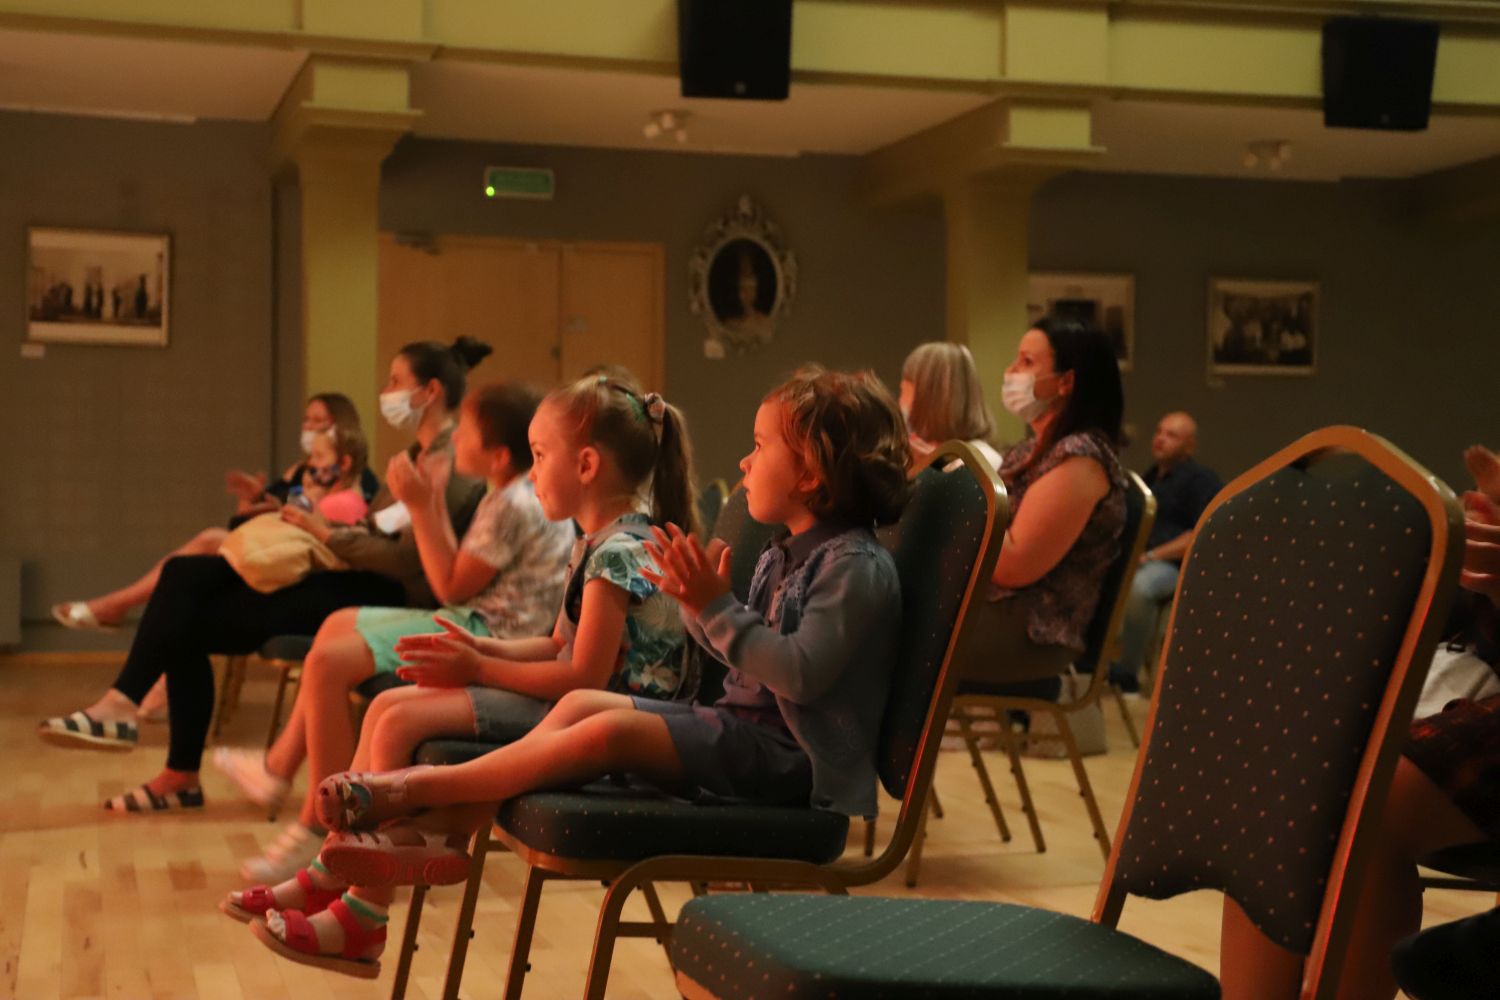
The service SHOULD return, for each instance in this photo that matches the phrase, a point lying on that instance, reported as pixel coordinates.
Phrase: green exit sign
(519, 182)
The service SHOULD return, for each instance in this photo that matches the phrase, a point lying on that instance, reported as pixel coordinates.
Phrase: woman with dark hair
(202, 606)
(1067, 502)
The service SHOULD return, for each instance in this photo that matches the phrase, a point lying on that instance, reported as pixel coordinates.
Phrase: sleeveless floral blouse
(1059, 605)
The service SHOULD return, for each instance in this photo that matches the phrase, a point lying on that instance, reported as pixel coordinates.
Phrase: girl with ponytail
(616, 462)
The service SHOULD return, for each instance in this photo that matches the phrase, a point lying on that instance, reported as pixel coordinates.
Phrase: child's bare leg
(289, 750)
(410, 718)
(114, 605)
(337, 663)
(609, 740)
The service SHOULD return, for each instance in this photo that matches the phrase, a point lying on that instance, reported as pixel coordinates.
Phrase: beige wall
(1409, 348)
(113, 455)
(871, 282)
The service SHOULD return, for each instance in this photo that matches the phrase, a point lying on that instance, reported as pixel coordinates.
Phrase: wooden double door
(550, 310)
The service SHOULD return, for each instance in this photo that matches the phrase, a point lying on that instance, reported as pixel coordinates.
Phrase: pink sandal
(399, 854)
(257, 900)
(364, 799)
(362, 946)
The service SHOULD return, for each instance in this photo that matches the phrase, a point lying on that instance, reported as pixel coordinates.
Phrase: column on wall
(985, 165)
(988, 228)
(337, 123)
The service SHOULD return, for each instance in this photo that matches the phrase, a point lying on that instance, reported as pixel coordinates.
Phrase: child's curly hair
(848, 429)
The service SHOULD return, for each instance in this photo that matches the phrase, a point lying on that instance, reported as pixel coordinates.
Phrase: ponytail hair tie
(656, 407)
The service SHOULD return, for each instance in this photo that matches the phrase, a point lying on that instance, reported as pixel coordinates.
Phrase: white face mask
(1018, 394)
(397, 409)
(308, 437)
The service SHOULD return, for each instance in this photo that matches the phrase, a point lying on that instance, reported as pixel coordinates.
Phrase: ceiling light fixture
(666, 122)
(1273, 154)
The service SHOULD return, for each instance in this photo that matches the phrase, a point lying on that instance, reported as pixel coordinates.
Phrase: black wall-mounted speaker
(1377, 73)
(735, 48)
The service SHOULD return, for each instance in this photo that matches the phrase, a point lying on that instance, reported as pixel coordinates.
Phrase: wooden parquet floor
(93, 905)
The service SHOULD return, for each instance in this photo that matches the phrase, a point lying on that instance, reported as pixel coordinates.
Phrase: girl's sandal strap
(301, 945)
(357, 937)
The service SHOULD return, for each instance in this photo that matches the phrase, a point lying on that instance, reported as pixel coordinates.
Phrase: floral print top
(1060, 604)
(650, 661)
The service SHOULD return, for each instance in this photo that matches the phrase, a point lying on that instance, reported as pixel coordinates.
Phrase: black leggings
(201, 606)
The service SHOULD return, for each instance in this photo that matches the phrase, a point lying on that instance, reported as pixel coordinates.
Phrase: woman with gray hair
(942, 399)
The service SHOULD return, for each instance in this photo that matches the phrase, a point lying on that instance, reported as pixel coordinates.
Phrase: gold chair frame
(1387, 734)
(969, 709)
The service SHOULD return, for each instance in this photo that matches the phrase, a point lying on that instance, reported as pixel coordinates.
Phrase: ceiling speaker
(1377, 73)
(735, 48)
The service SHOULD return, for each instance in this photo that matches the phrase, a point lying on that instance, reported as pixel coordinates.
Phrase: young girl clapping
(811, 658)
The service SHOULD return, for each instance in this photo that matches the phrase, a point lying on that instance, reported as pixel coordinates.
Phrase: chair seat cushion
(798, 946)
(286, 647)
(609, 822)
(1480, 861)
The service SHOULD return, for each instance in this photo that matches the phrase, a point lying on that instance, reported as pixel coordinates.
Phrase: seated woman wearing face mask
(326, 413)
(1067, 507)
(202, 606)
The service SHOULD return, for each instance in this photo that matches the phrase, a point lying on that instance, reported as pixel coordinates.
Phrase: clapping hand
(1481, 570)
(694, 575)
(243, 485)
(417, 483)
(446, 659)
(1484, 466)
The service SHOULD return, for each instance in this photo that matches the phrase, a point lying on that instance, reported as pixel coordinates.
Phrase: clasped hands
(446, 659)
(693, 574)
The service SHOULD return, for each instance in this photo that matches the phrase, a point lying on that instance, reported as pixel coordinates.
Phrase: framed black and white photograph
(1262, 327)
(97, 287)
(742, 280)
(1106, 300)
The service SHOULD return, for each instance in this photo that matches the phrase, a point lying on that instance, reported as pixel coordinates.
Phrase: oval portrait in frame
(743, 278)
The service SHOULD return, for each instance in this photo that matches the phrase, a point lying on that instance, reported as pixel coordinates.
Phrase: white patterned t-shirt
(530, 557)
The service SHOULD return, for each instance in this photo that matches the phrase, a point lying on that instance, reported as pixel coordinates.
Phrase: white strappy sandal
(77, 616)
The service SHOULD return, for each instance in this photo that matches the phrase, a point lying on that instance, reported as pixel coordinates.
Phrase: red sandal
(256, 900)
(301, 943)
(397, 854)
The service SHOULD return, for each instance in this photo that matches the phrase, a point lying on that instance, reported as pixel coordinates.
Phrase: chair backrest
(1306, 615)
(746, 537)
(1101, 637)
(945, 545)
(710, 501)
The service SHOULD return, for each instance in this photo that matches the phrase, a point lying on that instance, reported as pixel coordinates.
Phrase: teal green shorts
(380, 628)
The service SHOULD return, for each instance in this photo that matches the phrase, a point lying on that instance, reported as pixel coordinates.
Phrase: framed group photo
(1262, 327)
(97, 287)
(1106, 300)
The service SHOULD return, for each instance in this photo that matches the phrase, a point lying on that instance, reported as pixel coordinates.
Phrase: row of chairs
(1338, 531)
(1306, 614)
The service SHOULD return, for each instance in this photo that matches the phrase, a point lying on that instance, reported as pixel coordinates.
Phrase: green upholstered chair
(1306, 615)
(976, 703)
(944, 546)
(710, 501)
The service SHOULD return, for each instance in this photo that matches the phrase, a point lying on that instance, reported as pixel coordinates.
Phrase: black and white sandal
(143, 799)
(79, 730)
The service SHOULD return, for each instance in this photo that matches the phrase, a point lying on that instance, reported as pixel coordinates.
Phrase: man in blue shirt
(1183, 489)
